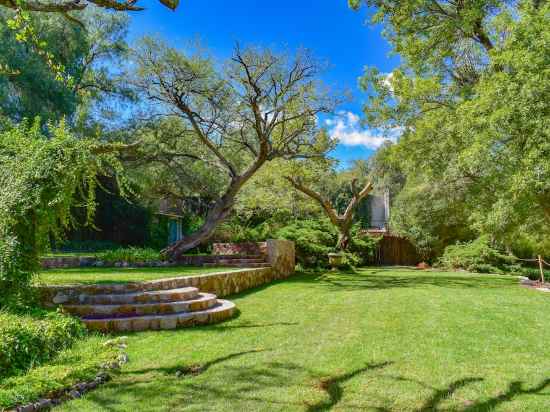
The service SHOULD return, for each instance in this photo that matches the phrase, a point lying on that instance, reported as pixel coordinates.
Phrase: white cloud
(346, 128)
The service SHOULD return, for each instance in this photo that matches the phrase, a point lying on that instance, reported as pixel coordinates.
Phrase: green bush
(534, 273)
(131, 255)
(361, 247)
(476, 256)
(26, 341)
(313, 240)
(80, 363)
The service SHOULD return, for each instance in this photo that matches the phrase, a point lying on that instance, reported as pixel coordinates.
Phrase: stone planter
(336, 260)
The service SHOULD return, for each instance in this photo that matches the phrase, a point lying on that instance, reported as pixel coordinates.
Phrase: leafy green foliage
(29, 87)
(476, 256)
(51, 68)
(533, 273)
(130, 255)
(313, 240)
(470, 99)
(27, 341)
(41, 176)
(362, 247)
(70, 366)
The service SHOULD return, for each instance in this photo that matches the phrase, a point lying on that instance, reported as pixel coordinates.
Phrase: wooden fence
(394, 250)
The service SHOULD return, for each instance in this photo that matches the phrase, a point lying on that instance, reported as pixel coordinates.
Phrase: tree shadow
(433, 403)
(265, 385)
(259, 383)
(440, 395)
(514, 389)
(333, 386)
(195, 369)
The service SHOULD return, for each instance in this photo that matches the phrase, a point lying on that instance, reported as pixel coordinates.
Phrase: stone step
(155, 296)
(223, 310)
(201, 302)
(240, 265)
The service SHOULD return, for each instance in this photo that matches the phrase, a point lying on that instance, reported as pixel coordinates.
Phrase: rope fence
(541, 263)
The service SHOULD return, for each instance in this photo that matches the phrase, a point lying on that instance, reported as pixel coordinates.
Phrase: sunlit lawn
(119, 275)
(378, 340)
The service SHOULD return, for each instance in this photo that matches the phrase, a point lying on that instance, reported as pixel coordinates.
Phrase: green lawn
(119, 275)
(378, 340)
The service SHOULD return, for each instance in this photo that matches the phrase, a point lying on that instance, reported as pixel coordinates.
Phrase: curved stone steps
(154, 296)
(202, 301)
(223, 310)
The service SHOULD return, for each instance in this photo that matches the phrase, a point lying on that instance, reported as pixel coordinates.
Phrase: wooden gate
(393, 250)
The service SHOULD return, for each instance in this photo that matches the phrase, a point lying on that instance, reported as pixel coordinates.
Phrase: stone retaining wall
(280, 256)
(67, 262)
(91, 261)
(199, 260)
(221, 284)
(220, 251)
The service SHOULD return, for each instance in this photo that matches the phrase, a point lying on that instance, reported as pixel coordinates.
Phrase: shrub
(79, 363)
(534, 273)
(42, 178)
(475, 256)
(130, 255)
(313, 240)
(26, 341)
(361, 247)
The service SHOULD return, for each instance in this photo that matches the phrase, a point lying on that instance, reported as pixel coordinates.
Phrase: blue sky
(328, 28)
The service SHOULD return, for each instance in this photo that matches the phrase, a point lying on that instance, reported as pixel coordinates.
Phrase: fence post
(541, 269)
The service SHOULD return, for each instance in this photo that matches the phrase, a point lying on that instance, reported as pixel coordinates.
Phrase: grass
(90, 275)
(377, 340)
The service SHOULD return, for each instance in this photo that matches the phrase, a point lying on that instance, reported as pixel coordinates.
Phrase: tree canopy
(258, 107)
(63, 7)
(470, 98)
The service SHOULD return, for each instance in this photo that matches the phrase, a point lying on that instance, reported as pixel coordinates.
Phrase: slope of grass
(377, 340)
(119, 275)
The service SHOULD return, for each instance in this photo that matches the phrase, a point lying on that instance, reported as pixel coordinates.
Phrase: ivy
(43, 178)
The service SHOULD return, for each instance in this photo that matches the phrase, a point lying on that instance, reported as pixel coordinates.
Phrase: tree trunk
(344, 229)
(343, 241)
(216, 215)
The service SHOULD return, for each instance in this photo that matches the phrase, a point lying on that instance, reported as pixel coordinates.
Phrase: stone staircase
(240, 261)
(117, 308)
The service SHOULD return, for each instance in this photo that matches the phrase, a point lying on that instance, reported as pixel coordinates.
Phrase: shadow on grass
(273, 385)
(228, 384)
(514, 390)
(196, 369)
(333, 386)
